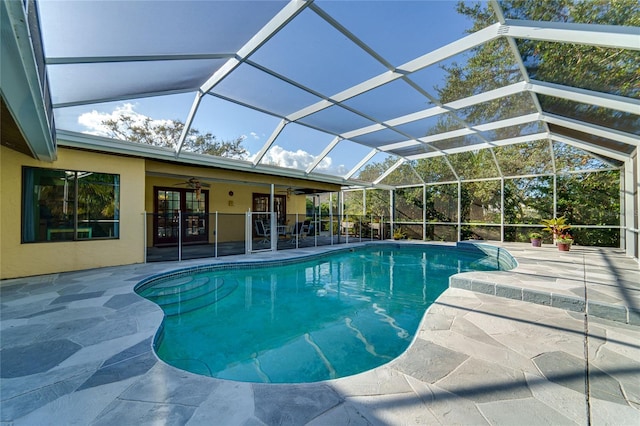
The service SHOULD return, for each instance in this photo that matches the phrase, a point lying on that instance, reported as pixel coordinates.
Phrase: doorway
(261, 204)
(194, 206)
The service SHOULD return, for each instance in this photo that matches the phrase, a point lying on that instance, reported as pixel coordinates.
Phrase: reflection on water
(330, 317)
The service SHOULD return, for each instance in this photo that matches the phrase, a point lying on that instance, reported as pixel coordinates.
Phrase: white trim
(20, 85)
(511, 141)
(614, 36)
(114, 146)
(323, 154)
(293, 8)
(593, 129)
(362, 162)
(276, 132)
(589, 147)
(604, 100)
(390, 170)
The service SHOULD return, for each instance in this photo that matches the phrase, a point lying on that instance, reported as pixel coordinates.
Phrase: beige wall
(18, 260)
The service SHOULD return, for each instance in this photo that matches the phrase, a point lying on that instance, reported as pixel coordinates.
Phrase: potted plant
(536, 239)
(399, 235)
(557, 226)
(564, 242)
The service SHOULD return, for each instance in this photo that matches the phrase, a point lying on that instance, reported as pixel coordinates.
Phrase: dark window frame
(50, 227)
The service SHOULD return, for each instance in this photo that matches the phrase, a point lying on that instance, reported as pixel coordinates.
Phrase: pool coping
(497, 286)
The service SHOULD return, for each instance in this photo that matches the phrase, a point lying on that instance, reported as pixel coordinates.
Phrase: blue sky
(296, 52)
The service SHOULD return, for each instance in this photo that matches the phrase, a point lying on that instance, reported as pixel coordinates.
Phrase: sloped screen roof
(335, 88)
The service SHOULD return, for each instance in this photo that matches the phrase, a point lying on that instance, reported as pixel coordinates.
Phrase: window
(66, 205)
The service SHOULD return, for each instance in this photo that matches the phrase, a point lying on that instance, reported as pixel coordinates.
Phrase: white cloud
(92, 121)
(300, 160)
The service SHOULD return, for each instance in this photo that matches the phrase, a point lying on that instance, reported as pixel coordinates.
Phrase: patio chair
(263, 231)
(300, 230)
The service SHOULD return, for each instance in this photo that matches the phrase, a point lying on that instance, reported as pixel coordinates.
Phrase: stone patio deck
(499, 348)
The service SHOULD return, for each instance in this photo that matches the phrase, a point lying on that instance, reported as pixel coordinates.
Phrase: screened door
(261, 204)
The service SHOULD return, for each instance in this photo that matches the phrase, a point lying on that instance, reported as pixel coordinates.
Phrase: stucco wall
(18, 260)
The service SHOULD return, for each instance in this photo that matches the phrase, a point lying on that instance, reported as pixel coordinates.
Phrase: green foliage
(434, 169)
(524, 158)
(528, 200)
(556, 225)
(565, 239)
(608, 70)
(398, 234)
(590, 198)
(167, 134)
(603, 69)
(409, 204)
(372, 171)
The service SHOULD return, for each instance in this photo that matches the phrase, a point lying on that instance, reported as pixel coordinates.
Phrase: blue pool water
(305, 321)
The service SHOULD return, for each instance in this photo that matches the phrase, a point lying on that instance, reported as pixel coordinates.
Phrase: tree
(493, 65)
(166, 133)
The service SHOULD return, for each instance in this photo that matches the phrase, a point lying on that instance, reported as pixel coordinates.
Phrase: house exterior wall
(19, 260)
(138, 176)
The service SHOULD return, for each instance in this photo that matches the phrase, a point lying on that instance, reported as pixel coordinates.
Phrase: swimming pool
(308, 320)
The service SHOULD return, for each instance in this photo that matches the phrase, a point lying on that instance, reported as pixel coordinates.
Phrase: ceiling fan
(195, 184)
(293, 191)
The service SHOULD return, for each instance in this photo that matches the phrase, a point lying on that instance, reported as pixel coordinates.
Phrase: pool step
(166, 292)
(186, 295)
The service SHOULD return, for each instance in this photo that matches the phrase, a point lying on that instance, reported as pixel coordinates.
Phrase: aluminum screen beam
(190, 117)
(417, 64)
(323, 154)
(279, 128)
(523, 119)
(135, 58)
(449, 107)
(585, 96)
(589, 147)
(592, 129)
(503, 142)
(618, 37)
(362, 162)
(389, 171)
(290, 11)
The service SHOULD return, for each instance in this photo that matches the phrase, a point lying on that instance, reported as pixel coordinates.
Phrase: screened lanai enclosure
(441, 120)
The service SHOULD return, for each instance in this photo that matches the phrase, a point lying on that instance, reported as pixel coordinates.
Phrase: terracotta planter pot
(536, 242)
(563, 247)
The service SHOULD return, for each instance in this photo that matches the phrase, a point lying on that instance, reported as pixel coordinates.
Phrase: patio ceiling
(359, 76)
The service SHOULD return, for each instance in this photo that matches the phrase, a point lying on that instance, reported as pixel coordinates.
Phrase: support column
(424, 212)
(273, 222)
(459, 210)
(502, 209)
(630, 206)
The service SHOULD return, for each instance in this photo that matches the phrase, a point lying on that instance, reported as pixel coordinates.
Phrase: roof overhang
(132, 149)
(22, 84)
